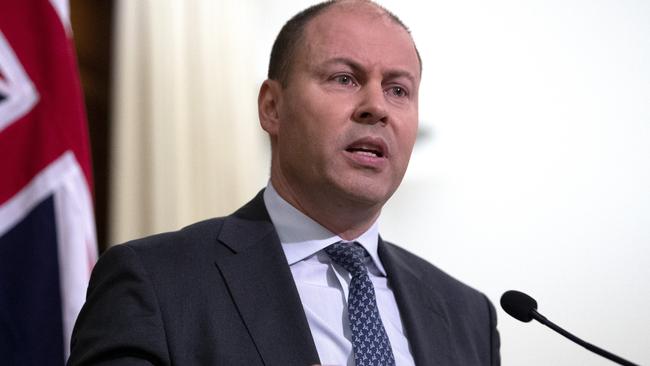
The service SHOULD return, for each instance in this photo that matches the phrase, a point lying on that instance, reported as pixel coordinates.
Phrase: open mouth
(366, 151)
(370, 147)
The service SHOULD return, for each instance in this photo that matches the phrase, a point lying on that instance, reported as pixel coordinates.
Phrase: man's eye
(398, 91)
(344, 79)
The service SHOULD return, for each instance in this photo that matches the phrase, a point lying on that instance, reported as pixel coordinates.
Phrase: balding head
(291, 36)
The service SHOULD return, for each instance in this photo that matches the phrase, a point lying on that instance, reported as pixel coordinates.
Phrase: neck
(343, 217)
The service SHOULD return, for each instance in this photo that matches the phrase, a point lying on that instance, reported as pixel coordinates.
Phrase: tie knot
(350, 256)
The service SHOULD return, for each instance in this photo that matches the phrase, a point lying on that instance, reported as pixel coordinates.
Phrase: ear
(268, 106)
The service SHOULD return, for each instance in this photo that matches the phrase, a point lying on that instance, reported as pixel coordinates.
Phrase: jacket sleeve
(120, 323)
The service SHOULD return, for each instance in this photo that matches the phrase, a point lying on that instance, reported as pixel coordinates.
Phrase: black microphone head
(519, 305)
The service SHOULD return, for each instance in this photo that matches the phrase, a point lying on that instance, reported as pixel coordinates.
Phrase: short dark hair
(285, 45)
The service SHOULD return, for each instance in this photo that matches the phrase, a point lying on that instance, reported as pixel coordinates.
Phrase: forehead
(362, 32)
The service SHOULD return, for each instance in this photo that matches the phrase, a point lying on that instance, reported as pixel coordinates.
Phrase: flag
(47, 229)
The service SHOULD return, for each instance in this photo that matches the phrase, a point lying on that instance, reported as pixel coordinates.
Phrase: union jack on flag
(47, 229)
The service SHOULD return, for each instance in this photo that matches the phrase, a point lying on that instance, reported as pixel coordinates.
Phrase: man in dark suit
(299, 275)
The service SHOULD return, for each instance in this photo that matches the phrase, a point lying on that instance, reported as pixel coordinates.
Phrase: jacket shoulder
(424, 269)
(454, 291)
(170, 252)
(203, 230)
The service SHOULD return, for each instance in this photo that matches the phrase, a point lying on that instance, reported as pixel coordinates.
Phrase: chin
(366, 194)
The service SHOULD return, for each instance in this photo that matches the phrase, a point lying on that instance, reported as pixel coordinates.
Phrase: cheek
(315, 130)
(406, 140)
(408, 134)
(303, 140)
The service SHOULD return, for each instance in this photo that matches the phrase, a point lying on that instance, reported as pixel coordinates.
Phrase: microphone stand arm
(610, 356)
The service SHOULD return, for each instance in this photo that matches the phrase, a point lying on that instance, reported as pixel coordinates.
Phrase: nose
(372, 107)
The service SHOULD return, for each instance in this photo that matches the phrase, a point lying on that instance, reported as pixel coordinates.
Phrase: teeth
(366, 153)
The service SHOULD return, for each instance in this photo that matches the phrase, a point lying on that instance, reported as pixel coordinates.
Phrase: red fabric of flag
(47, 233)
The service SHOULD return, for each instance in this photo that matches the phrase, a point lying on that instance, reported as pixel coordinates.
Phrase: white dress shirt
(323, 285)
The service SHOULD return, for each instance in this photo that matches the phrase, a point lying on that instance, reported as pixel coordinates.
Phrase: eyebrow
(391, 74)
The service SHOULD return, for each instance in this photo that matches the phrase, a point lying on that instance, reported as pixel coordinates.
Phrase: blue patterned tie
(370, 342)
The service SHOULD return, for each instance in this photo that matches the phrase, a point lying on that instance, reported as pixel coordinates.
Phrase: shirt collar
(301, 237)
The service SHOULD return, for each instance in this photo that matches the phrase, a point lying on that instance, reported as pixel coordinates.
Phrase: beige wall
(187, 145)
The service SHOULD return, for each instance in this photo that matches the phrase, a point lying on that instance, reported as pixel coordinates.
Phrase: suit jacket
(220, 292)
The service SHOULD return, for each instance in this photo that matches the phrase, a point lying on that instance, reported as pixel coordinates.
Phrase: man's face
(348, 116)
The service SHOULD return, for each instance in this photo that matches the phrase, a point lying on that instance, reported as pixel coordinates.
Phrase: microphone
(524, 308)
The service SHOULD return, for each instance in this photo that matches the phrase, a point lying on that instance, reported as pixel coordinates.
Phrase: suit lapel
(421, 310)
(262, 287)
